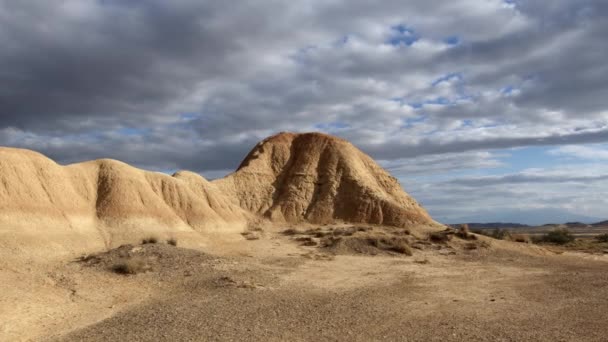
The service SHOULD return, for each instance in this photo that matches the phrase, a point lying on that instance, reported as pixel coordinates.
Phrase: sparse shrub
(523, 238)
(172, 241)
(499, 234)
(401, 247)
(251, 235)
(557, 236)
(149, 240)
(252, 227)
(367, 244)
(338, 231)
(320, 234)
(130, 266)
(440, 236)
(476, 245)
(398, 245)
(471, 245)
(306, 241)
(602, 237)
(291, 231)
(343, 231)
(463, 233)
(330, 241)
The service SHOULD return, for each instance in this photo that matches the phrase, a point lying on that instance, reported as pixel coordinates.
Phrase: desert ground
(273, 287)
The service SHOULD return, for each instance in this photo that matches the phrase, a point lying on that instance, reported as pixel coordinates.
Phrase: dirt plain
(271, 288)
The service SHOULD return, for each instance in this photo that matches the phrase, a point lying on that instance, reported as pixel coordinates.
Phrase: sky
(485, 110)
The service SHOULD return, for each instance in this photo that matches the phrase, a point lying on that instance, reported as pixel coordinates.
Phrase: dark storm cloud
(77, 74)
(113, 66)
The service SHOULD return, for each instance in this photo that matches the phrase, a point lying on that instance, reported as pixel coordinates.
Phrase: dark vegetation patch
(131, 265)
(149, 240)
(357, 239)
(367, 244)
(464, 233)
(556, 236)
(157, 258)
(476, 245)
(441, 237)
(602, 238)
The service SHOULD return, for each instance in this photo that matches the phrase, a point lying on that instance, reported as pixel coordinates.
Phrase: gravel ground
(470, 296)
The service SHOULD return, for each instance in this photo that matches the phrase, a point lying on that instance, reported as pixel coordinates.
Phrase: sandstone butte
(47, 208)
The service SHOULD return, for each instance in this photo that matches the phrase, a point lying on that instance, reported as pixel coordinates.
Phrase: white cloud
(585, 152)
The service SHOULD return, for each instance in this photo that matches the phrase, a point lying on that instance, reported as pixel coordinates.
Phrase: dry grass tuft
(441, 237)
(131, 266)
(291, 231)
(368, 244)
(523, 238)
(251, 235)
(557, 236)
(476, 245)
(306, 241)
(149, 240)
(464, 233)
(602, 238)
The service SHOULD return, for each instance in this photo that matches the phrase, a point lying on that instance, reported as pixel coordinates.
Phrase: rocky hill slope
(319, 178)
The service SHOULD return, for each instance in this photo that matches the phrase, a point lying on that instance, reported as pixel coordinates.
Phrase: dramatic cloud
(444, 88)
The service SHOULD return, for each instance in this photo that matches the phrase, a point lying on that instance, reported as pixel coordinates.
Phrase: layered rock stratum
(317, 178)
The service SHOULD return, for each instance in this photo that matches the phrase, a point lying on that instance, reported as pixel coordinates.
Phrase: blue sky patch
(402, 35)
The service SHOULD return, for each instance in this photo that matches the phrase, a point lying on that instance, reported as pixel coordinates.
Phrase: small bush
(440, 237)
(306, 241)
(291, 231)
(149, 240)
(523, 238)
(557, 236)
(251, 235)
(172, 241)
(476, 245)
(401, 247)
(130, 266)
(602, 238)
(498, 234)
(463, 233)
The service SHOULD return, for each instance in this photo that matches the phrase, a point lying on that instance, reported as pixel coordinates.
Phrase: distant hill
(507, 225)
(531, 217)
(495, 225)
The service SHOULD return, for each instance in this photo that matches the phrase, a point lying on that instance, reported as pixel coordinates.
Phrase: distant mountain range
(530, 217)
(496, 225)
(507, 225)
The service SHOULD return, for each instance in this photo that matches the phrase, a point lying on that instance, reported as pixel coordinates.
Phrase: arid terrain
(273, 288)
(309, 240)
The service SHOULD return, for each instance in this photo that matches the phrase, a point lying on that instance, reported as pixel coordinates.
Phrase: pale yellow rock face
(54, 209)
(47, 209)
(318, 178)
